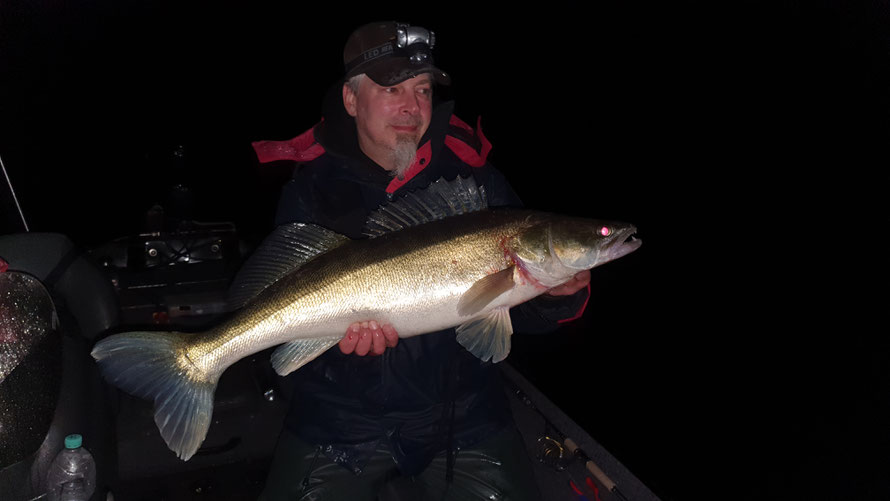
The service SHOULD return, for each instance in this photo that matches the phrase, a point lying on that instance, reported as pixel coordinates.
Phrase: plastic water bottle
(72, 474)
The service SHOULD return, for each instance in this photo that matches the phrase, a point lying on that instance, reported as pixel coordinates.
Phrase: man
(424, 419)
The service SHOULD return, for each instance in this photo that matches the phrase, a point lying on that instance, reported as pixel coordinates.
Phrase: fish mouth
(624, 243)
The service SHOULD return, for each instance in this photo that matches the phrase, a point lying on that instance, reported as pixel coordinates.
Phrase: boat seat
(56, 389)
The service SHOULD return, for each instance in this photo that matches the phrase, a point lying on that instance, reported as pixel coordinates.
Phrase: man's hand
(578, 282)
(368, 337)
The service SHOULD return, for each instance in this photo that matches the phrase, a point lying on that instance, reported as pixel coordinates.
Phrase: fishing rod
(571, 446)
(14, 197)
(593, 468)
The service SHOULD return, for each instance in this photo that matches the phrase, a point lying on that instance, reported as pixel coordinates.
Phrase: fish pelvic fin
(488, 337)
(484, 291)
(295, 354)
(154, 366)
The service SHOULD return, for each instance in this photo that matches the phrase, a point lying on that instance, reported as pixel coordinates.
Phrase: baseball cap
(390, 53)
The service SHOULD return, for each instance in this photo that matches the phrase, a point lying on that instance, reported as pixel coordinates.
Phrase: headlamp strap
(369, 55)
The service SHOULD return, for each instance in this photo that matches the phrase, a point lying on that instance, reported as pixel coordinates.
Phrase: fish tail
(154, 366)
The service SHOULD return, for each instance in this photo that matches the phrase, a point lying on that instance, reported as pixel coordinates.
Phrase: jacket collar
(336, 136)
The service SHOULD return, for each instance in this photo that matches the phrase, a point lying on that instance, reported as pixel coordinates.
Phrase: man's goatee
(403, 155)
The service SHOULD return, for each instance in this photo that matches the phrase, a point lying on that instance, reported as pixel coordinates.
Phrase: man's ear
(349, 98)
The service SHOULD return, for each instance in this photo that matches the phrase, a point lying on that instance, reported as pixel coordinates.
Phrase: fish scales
(389, 279)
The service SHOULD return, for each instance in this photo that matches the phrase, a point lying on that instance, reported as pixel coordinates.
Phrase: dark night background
(738, 348)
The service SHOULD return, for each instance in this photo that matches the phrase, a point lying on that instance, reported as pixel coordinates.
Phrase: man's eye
(425, 91)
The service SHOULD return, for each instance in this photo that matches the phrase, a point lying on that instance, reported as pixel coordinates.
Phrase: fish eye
(605, 231)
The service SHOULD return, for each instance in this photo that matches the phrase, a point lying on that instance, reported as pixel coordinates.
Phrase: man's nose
(410, 104)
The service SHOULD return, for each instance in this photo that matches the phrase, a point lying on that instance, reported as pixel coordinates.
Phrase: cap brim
(397, 70)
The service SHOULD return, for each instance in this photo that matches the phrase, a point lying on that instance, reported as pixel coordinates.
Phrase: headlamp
(391, 52)
(408, 37)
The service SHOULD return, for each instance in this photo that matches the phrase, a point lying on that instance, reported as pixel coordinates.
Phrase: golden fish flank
(462, 271)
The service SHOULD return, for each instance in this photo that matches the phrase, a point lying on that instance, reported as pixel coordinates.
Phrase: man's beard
(403, 155)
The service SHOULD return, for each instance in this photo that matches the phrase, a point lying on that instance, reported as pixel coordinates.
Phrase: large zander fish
(438, 258)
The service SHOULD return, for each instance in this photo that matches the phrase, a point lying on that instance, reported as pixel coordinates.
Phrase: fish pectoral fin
(295, 354)
(488, 337)
(484, 291)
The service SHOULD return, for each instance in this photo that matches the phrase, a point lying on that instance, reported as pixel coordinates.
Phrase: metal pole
(14, 197)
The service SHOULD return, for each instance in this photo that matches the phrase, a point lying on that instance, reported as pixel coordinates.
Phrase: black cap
(390, 53)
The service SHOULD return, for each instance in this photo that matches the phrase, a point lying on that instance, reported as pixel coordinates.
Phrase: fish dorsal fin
(488, 337)
(288, 247)
(439, 200)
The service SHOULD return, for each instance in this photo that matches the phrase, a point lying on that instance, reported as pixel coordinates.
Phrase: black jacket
(428, 391)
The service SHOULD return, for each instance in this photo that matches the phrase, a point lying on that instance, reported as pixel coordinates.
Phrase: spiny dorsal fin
(439, 200)
(288, 247)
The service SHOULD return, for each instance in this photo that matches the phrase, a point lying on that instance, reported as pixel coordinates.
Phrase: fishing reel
(552, 453)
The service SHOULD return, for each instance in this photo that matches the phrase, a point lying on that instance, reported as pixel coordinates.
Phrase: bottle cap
(73, 441)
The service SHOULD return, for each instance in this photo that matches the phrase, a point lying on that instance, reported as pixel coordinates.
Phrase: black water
(734, 349)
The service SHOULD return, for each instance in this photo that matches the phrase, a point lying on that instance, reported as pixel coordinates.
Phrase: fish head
(554, 249)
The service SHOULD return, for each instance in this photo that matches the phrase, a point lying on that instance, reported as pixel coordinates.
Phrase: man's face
(386, 116)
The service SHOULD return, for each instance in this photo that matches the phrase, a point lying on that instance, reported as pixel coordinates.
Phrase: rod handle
(591, 466)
